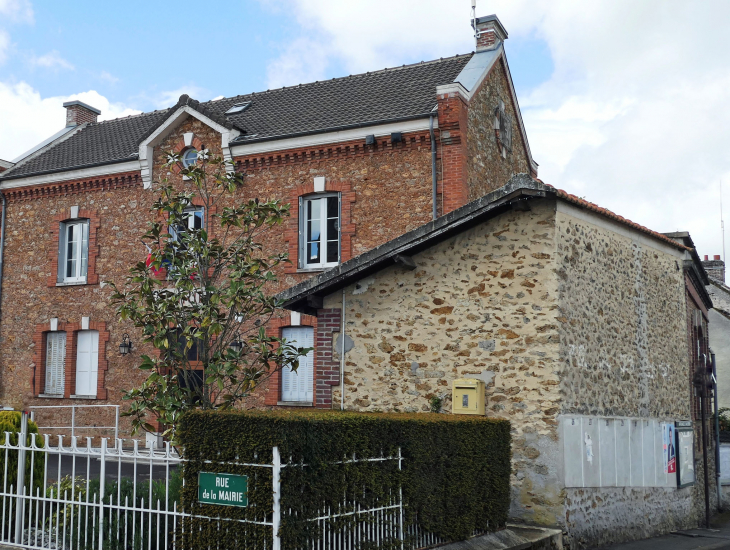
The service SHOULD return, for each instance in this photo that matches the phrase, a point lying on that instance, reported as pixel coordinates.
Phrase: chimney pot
(490, 33)
(78, 112)
(717, 257)
(706, 257)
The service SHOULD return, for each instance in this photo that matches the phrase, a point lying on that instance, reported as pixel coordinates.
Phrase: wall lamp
(126, 346)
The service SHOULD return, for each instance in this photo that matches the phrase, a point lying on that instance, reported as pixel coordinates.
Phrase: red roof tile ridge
(612, 215)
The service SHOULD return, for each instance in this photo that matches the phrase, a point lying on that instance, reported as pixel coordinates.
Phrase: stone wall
(487, 170)
(484, 305)
(623, 352)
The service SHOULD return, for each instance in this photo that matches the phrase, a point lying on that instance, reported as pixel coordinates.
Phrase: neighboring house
(5, 165)
(573, 317)
(720, 327)
(78, 203)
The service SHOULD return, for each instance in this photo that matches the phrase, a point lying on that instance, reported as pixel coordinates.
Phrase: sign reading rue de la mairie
(222, 489)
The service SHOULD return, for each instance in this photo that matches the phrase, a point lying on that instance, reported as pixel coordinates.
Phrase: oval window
(190, 157)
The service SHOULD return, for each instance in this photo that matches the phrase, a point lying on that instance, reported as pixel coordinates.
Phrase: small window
(193, 219)
(503, 125)
(238, 108)
(73, 256)
(190, 157)
(319, 231)
(55, 363)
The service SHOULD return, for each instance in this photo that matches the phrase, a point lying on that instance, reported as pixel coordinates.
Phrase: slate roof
(389, 95)
(520, 187)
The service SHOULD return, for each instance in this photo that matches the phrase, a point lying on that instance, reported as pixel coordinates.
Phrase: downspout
(717, 433)
(434, 112)
(342, 355)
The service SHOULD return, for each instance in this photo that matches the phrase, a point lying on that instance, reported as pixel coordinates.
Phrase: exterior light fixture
(237, 344)
(126, 346)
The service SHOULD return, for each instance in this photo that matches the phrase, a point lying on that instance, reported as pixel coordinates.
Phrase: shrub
(10, 424)
(455, 476)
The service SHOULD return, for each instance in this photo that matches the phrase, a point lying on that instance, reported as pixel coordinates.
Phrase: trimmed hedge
(455, 477)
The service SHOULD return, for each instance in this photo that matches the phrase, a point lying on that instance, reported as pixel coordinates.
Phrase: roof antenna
(474, 23)
(722, 225)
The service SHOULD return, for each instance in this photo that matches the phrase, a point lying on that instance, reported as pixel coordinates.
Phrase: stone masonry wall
(623, 352)
(486, 169)
(482, 304)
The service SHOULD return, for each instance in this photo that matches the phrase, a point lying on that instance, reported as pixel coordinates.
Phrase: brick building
(574, 318)
(383, 152)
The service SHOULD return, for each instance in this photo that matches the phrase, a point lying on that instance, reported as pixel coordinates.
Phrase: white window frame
(298, 387)
(191, 219)
(304, 264)
(186, 162)
(55, 364)
(80, 250)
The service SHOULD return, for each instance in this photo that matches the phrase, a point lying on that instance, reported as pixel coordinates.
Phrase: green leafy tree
(201, 297)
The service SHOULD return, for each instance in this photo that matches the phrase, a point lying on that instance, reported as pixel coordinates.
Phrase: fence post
(102, 479)
(20, 483)
(73, 419)
(116, 423)
(400, 502)
(276, 482)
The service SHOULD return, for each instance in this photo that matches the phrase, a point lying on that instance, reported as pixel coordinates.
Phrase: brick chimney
(715, 268)
(78, 112)
(490, 33)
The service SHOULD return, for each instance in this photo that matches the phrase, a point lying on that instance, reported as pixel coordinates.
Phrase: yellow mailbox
(468, 396)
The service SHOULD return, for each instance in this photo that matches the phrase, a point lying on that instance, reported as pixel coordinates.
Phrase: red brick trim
(274, 329)
(92, 277)
(38, 380)
(327, 369)
(347, 232)
(412, 141)
(73, 187)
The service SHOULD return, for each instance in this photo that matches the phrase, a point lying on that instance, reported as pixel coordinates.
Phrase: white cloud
(51, 60)
(108, 77)
(28, 119)
(168, 98)
(4, 45)
(19, 11)
(634, 116)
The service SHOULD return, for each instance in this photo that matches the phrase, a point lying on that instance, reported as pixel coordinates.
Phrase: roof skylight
(238, 108)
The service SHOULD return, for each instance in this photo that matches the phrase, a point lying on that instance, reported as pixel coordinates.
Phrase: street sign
(222, 489)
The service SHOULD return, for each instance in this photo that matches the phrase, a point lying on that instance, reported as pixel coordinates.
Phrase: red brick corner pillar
(452, 117)
(327, 368)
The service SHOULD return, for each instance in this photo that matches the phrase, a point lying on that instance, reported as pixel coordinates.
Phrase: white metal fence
(74, 427)
(75, 496)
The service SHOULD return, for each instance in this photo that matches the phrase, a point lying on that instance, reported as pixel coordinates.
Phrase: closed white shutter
(298, 386)
(55, 362)
(87, 362)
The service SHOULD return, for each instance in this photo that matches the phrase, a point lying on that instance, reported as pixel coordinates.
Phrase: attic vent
(238, 108)
(503, 126)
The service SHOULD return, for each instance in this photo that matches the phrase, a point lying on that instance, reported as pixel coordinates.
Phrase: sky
(625, 103)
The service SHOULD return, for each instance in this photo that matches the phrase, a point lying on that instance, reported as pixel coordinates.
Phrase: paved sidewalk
(717, 537)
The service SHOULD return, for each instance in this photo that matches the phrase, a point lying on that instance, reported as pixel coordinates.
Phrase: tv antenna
(474, 22)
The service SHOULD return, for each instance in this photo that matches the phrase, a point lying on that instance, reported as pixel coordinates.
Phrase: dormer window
(190, 157)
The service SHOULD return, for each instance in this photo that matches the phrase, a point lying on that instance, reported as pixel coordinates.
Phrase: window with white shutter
(87, 362)
(298, 385)
(55, 363)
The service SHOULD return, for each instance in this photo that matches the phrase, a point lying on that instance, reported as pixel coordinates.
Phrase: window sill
(50, 396)
(74, 283)
(295, 404)
(83, 397)
(316, 269)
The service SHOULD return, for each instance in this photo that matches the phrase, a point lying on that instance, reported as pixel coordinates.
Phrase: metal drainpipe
(717, 433)
(434, 112)
(342, 355)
